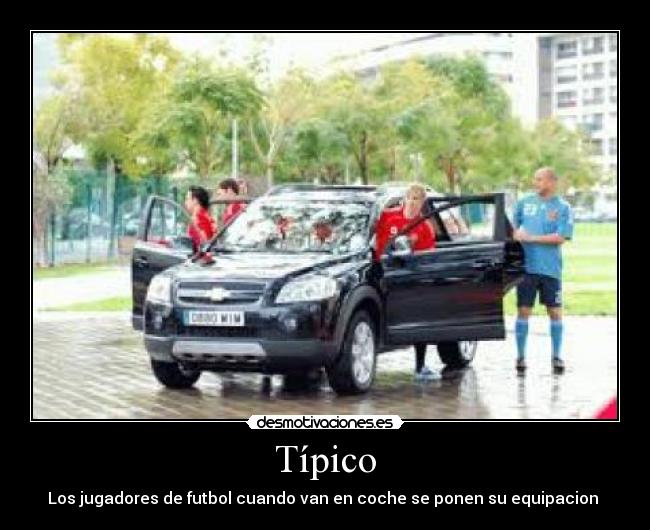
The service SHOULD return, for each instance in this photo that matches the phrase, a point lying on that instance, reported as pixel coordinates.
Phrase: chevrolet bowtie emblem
(217, 294)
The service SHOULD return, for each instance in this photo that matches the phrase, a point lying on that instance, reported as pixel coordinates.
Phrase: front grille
(236, 292)
(219, 332)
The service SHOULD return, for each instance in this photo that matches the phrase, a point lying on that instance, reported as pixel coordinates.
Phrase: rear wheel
(173, 375)
(457, 354)
(354, 370)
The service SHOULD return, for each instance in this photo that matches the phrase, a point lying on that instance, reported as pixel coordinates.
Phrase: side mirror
(401, 247)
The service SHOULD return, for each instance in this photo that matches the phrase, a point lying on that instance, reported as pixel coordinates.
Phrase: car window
(285, 225)
(472, 221)
(168, 221)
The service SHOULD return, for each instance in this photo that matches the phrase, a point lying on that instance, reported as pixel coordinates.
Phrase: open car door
(454, 292)
(162, 242)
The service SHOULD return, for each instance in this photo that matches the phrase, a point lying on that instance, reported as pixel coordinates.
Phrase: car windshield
(285, 225)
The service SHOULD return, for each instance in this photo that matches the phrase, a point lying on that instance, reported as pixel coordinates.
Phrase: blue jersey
(539, 217)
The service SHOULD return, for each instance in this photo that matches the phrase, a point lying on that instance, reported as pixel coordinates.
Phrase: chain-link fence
(99, 222)
(100, 219)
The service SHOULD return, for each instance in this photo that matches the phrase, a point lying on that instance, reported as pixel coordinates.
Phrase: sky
(309, 50)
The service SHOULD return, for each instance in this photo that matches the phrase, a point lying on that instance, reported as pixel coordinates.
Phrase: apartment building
(494, 48)
(578, 84)
(570, 76)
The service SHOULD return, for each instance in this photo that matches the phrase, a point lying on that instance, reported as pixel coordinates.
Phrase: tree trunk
(46, 240)
(269, 174)
(393, 164)
(113, 211)
(40, 244)
(363, 157)
(450, 172)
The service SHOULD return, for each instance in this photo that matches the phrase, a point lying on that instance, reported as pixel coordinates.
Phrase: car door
(454, 292)
(161, 243)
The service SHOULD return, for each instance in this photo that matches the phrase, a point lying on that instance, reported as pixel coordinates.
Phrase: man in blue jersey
(543, 222)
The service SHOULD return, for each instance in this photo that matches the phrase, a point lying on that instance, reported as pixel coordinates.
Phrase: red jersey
(201, 228)
(232, 210)
(392, 220)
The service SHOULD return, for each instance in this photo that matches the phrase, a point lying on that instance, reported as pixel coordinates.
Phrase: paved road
(94, 366)
(53, 292)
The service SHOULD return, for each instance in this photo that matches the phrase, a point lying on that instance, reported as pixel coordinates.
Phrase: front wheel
(457, 354)
(173, 375)
(354, 370)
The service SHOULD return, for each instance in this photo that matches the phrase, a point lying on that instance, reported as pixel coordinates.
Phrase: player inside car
(422, 238)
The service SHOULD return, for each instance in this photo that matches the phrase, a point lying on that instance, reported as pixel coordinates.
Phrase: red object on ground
(201, 222)
(232, 210)
(160, 241)
(392, 221)
(609, 412)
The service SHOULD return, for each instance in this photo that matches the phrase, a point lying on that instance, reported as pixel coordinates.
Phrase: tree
(471, 79)
(288, 102)
(567, 152)
(195, 115)
(115, 80)
(345, 102)
(319, 149)
(52, 122)
(447, 130)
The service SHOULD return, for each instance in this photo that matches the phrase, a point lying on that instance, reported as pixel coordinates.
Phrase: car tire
(172, 375)
(457, 354)
(354, 370)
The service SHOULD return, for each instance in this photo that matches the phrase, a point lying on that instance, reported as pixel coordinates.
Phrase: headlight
(160, 290)
(307, 289)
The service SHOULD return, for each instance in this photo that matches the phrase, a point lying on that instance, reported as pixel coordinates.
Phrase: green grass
(72, 269)
(589, 280)
(118, 303)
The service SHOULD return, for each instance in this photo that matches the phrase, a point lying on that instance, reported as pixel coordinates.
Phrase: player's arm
(564, 231)
(547, 239)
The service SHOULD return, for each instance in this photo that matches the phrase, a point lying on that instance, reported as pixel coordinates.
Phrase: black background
(419, 458)
(423, 458)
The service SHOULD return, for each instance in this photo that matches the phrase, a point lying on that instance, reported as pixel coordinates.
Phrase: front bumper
(278, 339)
(267, 356)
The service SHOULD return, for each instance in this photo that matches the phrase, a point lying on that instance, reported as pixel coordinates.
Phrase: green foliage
(567, 152)
(139, 102)
(193, 117)
(113, 80)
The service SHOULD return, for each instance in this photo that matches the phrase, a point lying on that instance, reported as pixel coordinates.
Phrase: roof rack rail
(283, 188)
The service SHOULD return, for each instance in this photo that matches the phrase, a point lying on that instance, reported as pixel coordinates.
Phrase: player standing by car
(422, 236)
(543, 222)
(202, 226)
(229, 189)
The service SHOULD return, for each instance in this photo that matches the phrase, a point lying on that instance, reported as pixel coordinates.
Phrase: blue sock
(521, 332)
(556, 337)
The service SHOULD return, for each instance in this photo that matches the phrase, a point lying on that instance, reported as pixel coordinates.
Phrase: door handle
(141, 261)
(483, 264)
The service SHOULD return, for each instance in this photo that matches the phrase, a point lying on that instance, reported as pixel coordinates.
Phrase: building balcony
(593, 51)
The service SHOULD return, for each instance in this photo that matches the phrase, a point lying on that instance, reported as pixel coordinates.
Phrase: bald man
(543, 223)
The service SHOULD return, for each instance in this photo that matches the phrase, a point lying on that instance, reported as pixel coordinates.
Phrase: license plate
(214, 318)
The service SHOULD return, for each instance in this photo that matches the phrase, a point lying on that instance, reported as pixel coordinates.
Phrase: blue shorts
(550, 291)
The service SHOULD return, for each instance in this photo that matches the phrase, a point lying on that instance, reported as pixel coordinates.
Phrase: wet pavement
(94, 366)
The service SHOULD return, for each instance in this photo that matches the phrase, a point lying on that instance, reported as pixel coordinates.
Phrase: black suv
(293, 285)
